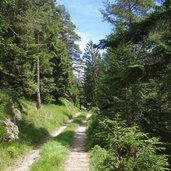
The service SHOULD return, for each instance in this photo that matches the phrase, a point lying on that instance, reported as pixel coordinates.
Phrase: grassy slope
(55, 152)
(33, 126)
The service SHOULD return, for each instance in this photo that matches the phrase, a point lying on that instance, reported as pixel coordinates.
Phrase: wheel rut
(78, 158)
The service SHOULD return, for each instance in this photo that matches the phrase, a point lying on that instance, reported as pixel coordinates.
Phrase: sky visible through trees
(88, 20)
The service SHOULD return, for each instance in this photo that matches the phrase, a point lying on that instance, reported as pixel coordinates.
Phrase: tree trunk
(38, 76)
(38, 84)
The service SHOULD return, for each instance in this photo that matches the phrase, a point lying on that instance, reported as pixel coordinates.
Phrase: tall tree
(38, 59)
(64, 52)
(92, 58)
(136, 80)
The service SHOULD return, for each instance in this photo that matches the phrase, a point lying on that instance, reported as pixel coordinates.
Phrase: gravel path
(23, 163)
(78, 158)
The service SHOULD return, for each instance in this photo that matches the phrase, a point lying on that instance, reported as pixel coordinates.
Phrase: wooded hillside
(37, 43)
(131, 83)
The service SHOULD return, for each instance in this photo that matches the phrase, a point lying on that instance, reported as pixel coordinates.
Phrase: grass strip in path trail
(54, 153)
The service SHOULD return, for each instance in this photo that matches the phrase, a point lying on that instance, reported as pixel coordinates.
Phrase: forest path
(78, 158)
(24, 162)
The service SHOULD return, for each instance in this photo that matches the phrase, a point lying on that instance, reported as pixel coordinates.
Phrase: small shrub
(4, 101)
(91, 131)
(95, 110)
(128, 149)
(98, 156)
(3, 132)
(12, 151)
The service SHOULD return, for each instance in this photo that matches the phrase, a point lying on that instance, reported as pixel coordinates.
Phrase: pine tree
(64, 51)
(127, 10)
(92, 58)
(40, 32)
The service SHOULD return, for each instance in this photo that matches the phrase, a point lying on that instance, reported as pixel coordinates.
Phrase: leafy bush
(4, 100)
(128, 149)
(91, 131)
(98, 155)
(95, 110)
(12, 151)
(3, 132)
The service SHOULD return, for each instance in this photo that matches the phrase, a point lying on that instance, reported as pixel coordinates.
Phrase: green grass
(97, 157)
(34, 125)
(54, 153)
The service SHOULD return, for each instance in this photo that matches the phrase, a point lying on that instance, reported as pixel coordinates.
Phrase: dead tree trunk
(38, 74)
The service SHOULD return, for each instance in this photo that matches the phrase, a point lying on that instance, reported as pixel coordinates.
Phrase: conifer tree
(127, 10)
(38, 59)
(92, 58)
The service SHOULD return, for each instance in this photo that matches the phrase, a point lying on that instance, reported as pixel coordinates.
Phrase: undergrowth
(116, 147)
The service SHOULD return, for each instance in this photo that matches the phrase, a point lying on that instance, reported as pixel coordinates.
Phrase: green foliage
(134, 82)
(97, 156)
(3, 132)
(128, 11)
(118, 89)
(91, 131)
(92, 60)
(126, 148)
(13, 151)
(37, 30)
(4, 102)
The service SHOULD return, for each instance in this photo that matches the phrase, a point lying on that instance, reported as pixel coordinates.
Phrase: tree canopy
(135, 73)
(38, 48)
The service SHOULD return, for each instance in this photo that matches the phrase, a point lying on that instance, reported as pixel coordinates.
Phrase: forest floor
(78, 158)
(24, 162)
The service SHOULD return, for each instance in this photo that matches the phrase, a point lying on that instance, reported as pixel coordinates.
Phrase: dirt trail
(78, 158)
(24, 162)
